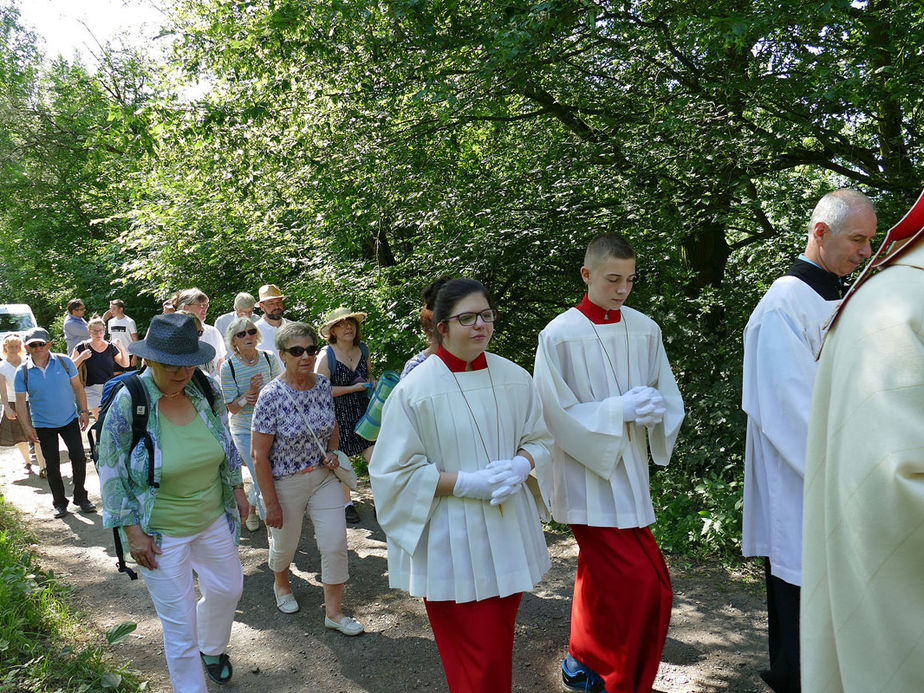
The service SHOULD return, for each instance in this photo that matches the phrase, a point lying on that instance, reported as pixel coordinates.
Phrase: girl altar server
(451, 476)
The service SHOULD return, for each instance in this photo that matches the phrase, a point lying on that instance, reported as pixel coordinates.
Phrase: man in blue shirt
(53, 386)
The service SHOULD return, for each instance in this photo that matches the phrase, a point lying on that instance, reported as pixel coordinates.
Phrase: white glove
(474, 484)
(509, 476)
(633, 400)
(653, 412)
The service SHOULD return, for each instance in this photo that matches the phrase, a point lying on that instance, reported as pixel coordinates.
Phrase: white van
(15, 317)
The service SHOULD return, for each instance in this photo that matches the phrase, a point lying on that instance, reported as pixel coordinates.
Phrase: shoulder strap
(140, 412)
(231, 366)
(268, 362)
(205, 387)
(25, 375)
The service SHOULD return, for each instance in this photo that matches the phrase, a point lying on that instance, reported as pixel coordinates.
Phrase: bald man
(781, 341)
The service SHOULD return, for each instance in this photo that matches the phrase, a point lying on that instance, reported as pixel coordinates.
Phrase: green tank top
(190, 496)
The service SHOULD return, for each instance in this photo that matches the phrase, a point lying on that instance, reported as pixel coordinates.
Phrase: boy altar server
(610, 400)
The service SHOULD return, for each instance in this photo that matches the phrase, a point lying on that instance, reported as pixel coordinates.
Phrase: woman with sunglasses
(179, 507)
(243, 374)
(294, 439)
(452, 484)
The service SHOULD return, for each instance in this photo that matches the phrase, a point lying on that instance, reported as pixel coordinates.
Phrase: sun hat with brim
(36, 334)
(174, 340)
(268, 292)
(336, 316)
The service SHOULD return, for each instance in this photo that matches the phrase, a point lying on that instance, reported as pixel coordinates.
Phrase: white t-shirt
(268, 334)
(121, 330)
(212, 336)
(8, 370)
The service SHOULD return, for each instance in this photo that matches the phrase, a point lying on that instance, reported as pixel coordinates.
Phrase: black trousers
(783, 617)
(48, 439)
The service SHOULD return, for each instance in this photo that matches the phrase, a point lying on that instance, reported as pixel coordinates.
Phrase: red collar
(457, 365)
(596, 314)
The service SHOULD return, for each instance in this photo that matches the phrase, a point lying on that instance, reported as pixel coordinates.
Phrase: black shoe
(86, 506)
(60, 511)
(351, 515)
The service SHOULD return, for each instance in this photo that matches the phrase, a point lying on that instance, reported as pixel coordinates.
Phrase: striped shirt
(236, 386)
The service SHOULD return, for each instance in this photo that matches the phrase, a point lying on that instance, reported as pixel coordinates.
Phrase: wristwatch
(82, 411)
(239, 486)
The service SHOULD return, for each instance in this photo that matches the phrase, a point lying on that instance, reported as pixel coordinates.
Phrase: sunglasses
(240, 335)
(297, 351)
(36, 345)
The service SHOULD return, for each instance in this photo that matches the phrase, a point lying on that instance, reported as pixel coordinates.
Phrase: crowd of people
(473, 454)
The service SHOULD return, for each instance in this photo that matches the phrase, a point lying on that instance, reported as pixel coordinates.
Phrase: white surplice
(862, 616)
(447, 548)
(781, 341)
(598, 471)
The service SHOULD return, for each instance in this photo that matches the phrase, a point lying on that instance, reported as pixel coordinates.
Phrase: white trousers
(190, 626)
(319, 492)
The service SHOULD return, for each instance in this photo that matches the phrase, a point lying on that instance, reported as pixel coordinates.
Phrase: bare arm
(22, 411)
(8, 411)
(81, 396)
(123, 359)
(260, 444)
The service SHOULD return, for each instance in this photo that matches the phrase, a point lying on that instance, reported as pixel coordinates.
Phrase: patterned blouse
(294, 448)
(123, 473)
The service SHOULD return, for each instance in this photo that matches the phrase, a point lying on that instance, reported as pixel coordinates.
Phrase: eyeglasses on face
(240, 335)
(297, 351)
(176, 369)
(469, 319)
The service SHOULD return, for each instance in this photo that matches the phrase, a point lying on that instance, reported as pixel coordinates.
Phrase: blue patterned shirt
(123, 474)
(294, 448)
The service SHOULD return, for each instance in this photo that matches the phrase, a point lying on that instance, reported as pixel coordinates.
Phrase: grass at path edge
(44, 648)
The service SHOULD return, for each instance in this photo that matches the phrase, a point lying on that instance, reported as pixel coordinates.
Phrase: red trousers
(621, 607)
(475, 640)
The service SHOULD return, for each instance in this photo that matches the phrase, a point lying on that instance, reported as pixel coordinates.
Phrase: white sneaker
(286, 603)
(252, 522)
(347, 625)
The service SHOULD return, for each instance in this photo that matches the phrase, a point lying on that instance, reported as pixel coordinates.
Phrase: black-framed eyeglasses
(469, 319)
(297, 351)
(240, 335)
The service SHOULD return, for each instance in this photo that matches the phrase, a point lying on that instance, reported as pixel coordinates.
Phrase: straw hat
(336, 316)
(268, 292)
(173, 339)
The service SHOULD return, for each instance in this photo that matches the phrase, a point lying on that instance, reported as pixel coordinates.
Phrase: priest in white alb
(610, 401)
(781, 341)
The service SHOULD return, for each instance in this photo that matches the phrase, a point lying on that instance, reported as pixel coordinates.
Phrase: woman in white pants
(180, 505)
(292, 421)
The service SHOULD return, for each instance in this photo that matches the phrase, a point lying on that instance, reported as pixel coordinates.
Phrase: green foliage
(37, 630)
(351, 152)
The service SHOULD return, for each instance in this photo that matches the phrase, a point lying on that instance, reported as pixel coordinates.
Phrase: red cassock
(622, 606)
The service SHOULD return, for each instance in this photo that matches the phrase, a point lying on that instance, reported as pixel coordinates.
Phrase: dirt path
(717, 640)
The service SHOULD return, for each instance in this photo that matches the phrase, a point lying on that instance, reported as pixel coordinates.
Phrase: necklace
(172, 395)
(249, 362)
(609, 360)
(475, 421)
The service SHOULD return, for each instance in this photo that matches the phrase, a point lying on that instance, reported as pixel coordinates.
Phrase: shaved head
(609, 245)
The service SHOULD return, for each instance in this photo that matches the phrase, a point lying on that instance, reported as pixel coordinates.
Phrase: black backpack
(141, 406)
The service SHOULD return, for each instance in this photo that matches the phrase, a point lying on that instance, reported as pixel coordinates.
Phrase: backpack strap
(331, 360)
(141, 409)
(205, 387)
(120, 555)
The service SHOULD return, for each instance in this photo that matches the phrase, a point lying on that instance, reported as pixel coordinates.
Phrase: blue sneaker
(577, 677)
